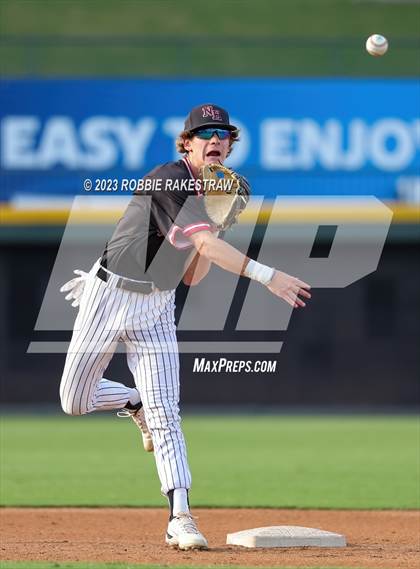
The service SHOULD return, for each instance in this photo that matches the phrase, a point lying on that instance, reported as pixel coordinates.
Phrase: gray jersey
(151, 241)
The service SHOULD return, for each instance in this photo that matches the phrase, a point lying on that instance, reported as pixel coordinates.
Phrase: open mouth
(215, 153)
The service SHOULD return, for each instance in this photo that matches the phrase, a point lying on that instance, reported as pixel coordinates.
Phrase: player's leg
(152, 355)
(96, 332)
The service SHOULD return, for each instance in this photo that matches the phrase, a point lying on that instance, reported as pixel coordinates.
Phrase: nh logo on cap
(210, 111)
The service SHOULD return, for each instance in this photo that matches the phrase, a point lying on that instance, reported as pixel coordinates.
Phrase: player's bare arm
(281, 284)
(197, 267)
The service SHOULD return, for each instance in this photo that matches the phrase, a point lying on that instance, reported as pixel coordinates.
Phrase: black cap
(206, 116)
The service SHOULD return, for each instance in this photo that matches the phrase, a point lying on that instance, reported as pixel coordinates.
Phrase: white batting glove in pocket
(75, 287)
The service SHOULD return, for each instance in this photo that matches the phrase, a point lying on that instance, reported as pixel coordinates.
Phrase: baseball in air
(377, 45)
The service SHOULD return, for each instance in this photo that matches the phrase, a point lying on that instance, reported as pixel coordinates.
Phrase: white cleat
(183, 533)
(140, 420)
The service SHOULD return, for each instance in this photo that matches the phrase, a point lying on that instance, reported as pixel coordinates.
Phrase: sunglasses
(208, 133)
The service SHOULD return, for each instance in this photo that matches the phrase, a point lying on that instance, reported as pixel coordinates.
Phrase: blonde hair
(188, 135)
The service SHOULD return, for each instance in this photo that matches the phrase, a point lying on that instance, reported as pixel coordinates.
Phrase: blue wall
(304, 136)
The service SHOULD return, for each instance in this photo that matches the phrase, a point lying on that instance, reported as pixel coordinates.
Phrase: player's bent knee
(69, 410)
(70, 407)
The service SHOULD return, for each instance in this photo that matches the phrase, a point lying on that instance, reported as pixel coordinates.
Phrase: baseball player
(128, 296)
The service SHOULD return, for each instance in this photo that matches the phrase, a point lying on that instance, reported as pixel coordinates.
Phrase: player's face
(207, 151)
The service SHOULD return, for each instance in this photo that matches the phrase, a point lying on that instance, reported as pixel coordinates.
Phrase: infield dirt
(386, 539)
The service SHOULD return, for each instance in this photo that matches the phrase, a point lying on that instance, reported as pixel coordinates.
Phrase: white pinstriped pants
(145, 323)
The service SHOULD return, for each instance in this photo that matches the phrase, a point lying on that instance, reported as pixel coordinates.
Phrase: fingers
(68, 285)
(300, 302)
(295, 301)
(75, 292)
(303, 292)
(302, 284)
(290, 289)
(294, 295)
(289, 296)
(289, 300)
(74, 282)
(71, 284)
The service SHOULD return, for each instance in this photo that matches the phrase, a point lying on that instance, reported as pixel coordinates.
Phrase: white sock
(134, 397)
(180, 501)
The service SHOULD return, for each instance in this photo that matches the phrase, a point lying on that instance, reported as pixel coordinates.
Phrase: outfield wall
(356, 346)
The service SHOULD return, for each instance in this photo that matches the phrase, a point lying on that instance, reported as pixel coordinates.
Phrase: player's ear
(187, 144)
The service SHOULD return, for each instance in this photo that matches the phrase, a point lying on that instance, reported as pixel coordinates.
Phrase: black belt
(133, 286)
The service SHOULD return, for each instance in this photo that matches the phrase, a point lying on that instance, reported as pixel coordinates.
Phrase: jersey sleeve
(179, 213)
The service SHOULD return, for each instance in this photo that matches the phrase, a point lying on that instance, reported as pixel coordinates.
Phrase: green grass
(316, 18)
(345, 22)
(266, 461)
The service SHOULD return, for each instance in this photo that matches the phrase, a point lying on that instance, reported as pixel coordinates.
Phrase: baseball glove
(226, 194)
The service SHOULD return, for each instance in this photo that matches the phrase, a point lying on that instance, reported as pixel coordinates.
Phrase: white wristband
(258, 272)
